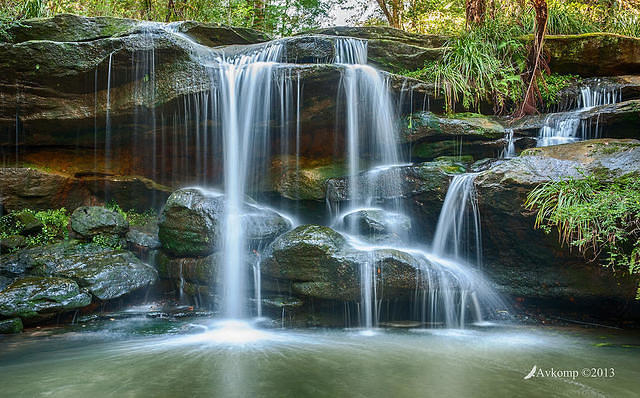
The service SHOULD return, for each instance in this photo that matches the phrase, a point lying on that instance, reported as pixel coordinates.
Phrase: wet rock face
(191, 223)
(32, 297)
(420, 189)
(377, 224)
(104, 272)
(320, 263)
(527, 262)
(90, 221)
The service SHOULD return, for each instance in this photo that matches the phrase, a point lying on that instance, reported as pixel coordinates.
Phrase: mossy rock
(91, 221)
(593, 54)
(31, 297)
(106, 272)
(191, 223)
(69, 28)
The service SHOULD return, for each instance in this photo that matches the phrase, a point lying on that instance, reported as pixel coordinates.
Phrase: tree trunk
(258, 14)
(536, 60)
(475, 11)
(394, 16)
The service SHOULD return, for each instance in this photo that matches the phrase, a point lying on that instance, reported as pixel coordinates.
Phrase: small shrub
(600, 218)
(54, 226)
(110, 241)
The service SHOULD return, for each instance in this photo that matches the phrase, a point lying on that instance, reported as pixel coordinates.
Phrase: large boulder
(525, 261)
(33, 297)
(320, 263)
(105, 272)
(90, 221)
(420, 190)
(191, 223)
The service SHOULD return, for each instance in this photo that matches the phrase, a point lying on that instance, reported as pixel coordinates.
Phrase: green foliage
(598, 217)
(279, 17)
(551, 86)
(110, 241)
(483, 64)
(54, 226)
(133, 217)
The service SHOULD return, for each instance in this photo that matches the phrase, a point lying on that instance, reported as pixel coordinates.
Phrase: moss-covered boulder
(9, 326)
(90, 221)
(191, 223)
(32, 297)
(69, 28)
(105, 272)
(320, 263)
(593, 54)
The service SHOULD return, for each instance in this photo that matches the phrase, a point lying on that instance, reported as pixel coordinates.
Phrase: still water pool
(142, 357)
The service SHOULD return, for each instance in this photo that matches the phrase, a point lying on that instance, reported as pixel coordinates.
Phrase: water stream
(571, 126)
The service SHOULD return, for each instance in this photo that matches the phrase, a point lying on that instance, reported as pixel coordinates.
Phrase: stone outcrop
(593, 54)
(525, 261)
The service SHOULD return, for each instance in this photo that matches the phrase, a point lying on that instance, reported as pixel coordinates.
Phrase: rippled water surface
(159, 358)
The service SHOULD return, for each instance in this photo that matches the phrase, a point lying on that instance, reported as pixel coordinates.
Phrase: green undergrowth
(598, 217)
(552, 85)
(45, 226)
(133, 217)
(480, 65)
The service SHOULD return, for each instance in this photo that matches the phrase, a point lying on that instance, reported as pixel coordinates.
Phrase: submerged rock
(90, 221)
(32, 297)
(105, 272)
(191, 223)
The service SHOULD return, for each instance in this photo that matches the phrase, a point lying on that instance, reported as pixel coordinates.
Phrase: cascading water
(449, 289)
(247, 93)
(566, 127)
(459, 221)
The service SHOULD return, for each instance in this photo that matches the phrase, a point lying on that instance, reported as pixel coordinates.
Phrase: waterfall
(566, 127)
(244, 97)
(459, 221)
(509, 150)
(247, 97)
